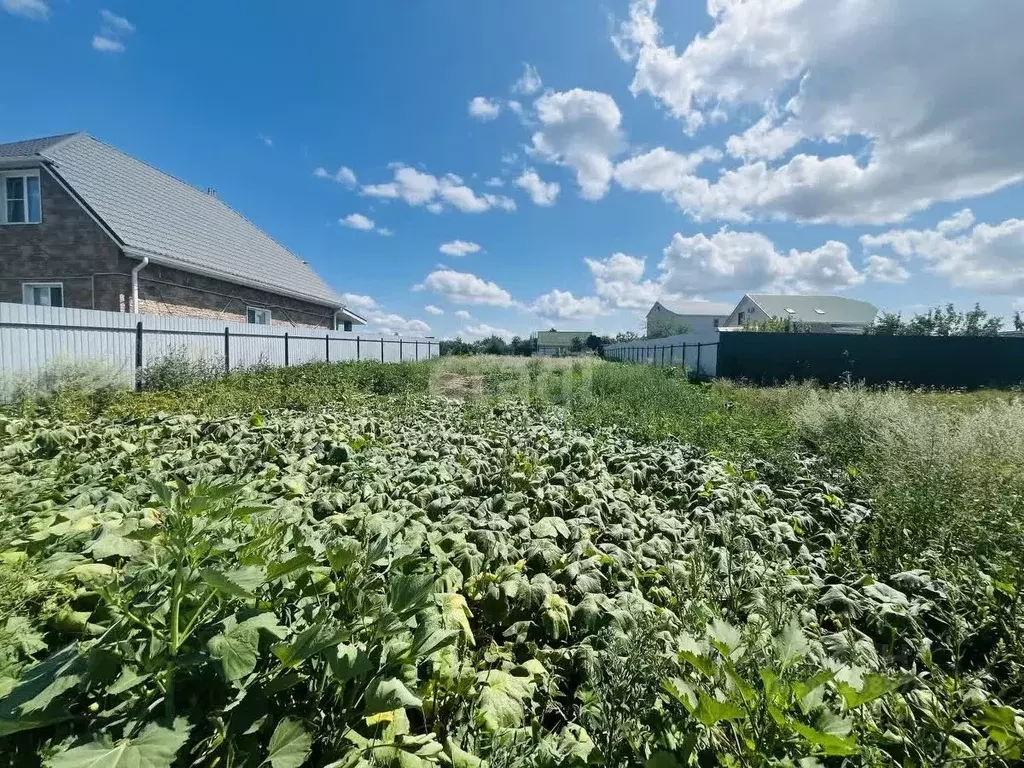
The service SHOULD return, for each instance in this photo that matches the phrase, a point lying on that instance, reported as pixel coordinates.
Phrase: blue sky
(698, 151)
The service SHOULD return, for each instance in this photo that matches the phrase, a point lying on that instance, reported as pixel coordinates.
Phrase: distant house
(561, 343)
(825, 314)
(83, 225)
(698, 318)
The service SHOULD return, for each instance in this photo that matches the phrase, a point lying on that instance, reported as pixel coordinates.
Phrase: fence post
(327, 347)
(672, 354)
(684, 354)
(382, 349)
(227, 349)
(699, 345)
(663, 357)
(138, 355)
(418, 350)
(357, 349)
(401, 350)
(286, 349)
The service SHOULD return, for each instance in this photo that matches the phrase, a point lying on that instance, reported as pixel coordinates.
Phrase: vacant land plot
(470, 563)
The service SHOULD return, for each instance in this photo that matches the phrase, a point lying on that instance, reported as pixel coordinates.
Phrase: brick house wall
(66, 247)
(69, 247)
(167, 291)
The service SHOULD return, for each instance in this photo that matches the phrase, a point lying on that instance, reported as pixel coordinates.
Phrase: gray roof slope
(833, 309)
(698, 308)
(160, 215)
(31, 146)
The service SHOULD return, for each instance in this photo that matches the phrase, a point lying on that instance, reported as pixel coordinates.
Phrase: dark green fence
(930, 361)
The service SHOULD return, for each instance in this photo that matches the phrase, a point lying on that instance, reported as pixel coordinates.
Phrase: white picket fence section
(33, 338)
(697, 353)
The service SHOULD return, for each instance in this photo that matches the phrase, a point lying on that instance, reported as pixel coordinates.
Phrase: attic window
(791, 311)
(819, 311)
(21, 202)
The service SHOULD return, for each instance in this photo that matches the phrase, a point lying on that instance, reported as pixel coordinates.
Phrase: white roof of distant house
(698, 308)
(174, 223)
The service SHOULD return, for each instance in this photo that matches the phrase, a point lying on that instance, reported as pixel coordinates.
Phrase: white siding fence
(34, 338)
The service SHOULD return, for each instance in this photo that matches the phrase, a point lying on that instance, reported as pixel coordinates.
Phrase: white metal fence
(33, 338)
(697, 354)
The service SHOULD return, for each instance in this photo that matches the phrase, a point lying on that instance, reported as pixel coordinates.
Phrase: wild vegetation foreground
(563, 565)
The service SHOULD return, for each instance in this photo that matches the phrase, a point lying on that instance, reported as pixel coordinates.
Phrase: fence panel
(699, 353)
(34, 339)
(935, 361)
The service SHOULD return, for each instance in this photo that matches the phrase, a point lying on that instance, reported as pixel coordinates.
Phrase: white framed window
(257, 315)
(43, 294)
(20, 198)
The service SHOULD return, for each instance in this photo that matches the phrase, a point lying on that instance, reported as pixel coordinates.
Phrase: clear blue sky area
(804, 151)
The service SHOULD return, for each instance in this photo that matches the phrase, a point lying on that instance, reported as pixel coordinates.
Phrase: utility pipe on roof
(135, 282)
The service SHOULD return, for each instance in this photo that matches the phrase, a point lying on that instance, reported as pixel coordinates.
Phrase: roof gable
(173, 222)
(832, 310)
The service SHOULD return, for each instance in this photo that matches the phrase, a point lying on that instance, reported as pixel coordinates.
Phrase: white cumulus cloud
(357, 221)
(37, 10)
(541, 192)
(749, 261)
(463, 315)
(883, 269)
(563, 305)
(904, 80)
(381, 321)
(980, 256)
(430, 309)
(418, 188)
(484, 109)
(344, 175)
(580, 129)
(459, 248)
(465, 288)
(484, 331)
(619, 283)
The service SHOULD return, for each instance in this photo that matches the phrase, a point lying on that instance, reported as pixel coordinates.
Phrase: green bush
(180, 367)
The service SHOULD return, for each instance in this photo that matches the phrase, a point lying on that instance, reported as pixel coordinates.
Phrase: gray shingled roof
(164, 217)
(31, 147)
(835, 310)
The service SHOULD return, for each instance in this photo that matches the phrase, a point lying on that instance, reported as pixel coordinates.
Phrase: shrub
(179, 368)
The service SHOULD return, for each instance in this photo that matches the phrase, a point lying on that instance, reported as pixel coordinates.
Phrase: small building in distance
(696, 318)
(820, 314)
(561, 343)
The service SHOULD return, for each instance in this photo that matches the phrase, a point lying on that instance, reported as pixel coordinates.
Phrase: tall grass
(944, 481)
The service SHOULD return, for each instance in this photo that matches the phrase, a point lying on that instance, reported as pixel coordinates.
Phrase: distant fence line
(921, 361)
(828, 358)
(695, 355)
(33, 338)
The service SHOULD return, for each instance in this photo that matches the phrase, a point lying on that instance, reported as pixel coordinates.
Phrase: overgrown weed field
(510, 563)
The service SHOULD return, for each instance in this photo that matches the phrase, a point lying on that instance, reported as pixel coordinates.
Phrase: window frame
(24, 175)
(26, 287)
(256, 311)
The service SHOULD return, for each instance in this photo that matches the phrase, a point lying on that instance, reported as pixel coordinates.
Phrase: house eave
(170, 261)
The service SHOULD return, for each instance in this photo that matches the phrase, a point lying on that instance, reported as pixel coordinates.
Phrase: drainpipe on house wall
(135, 282)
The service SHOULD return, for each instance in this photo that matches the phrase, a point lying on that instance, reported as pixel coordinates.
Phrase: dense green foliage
(939, 321)
(575, 563)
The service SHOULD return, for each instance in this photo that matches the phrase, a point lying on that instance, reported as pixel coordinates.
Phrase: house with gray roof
(84, 225)
(824, 314)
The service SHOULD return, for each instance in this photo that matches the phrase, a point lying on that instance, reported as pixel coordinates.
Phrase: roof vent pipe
(135, 282)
